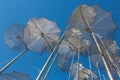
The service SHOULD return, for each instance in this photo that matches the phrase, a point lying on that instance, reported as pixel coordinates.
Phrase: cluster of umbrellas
(89, 33)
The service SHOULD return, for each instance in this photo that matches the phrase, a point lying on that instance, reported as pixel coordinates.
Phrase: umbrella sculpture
(84, 73)
(91, 20)
(112, 48)
(85, 24)
(14, 76)
(14, 37)
(38, 35)
(68, 49)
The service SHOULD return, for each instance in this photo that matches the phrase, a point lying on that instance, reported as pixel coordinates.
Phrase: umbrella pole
(89, 59)
(50, 57)
(50, 67)
(98, 70)
(109, 56)
(102, 56)
(71, 64)
(104, 77)
(98, 47)
(17, 57)
(12, 61)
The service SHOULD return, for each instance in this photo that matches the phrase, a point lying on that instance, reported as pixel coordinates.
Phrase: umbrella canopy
(65, 53)
(14, 37)
(43, 33)
(112, 49)
(84, 73)
(111, 46)
(73, 36)
(14, 76)
(99, 20)
(97, 59)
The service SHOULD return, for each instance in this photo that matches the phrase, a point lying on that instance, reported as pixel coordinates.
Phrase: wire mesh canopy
(14, 37)
(84, 73)
(66, 51)
(115, 75)
(99, 20)
(97, 61)
(43, 32)
(14, 76)
(73, 36)
(111, 46)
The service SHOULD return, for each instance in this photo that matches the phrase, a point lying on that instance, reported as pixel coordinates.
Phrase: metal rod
(104, 77)
(102, 56)
(78, 65)
(98, 70)
(98, 47)
(17, 57)
(50, 57)
(12, 61)
(89, 59)
(71, 64)
(50, 67)
(110, 58)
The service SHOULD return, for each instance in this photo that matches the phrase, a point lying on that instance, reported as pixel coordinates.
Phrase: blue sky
(20, 11)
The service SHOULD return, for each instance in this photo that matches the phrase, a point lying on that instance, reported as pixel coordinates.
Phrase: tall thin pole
(102, 56)
(50, 67)
(78, 64)
(98, 70)
(50, 57)
(104, 77)
(71, 64)
(98, 47)
(89, 59)
(109, 56)
(17, 57)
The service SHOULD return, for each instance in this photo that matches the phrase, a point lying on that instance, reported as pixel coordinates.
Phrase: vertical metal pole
(78, 64)
(109, 56)
(102, 56)
(89, 59)
(50, 67)
(71, 64)
(98, 70)
(98, 47)
(50, 57)
(104, 77)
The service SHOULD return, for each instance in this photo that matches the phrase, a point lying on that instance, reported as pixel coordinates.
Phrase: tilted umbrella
(66, 52)
(39, 35)
(14, 37)
(14, 76)
(44, 32)
(110, 47)
(84, 73)
(73, 36)
(99, 20)
(91, 20)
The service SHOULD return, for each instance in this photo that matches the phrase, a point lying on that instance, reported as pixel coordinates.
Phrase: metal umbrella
(14, 76)
(91, 20)
(97, 59)
(14, 37)
(73, 36)
(39, 35)
(84, 73)
(66, 51)
(44, 32)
